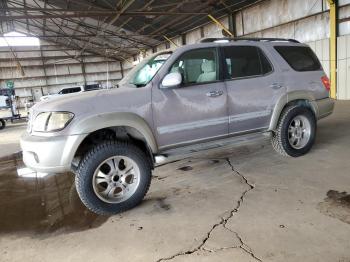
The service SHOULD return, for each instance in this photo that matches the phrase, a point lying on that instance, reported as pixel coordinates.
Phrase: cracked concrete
(238, 204)
(212, 236)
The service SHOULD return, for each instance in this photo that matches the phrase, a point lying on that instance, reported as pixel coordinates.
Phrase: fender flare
(119, 119)
(287, 98)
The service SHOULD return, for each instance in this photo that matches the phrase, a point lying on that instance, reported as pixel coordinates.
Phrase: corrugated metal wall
(45, 73)
(343, 67)
(304, 20)
(321, 49)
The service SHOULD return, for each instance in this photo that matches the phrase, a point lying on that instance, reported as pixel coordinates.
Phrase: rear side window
(300, 58)
(245, 61)
(70, 90)
(73, 90)
(91, 87)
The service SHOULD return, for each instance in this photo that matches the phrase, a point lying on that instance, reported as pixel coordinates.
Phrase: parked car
(8, 108)
(4, 111)
(71, 90)
(197, 95)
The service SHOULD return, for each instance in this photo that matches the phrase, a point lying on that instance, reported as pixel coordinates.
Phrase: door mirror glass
(172, 80)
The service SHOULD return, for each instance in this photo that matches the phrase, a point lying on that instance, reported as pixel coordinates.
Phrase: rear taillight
(326, 82)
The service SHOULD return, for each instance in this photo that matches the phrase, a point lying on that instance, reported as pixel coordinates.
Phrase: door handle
(215, 93)
(276, 86)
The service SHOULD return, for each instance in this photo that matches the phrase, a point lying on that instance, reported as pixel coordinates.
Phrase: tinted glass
(245, 61)
(76, 89)
(300, 58)
(197, 66)
(70, 90)
(265, 64)
(92, 87)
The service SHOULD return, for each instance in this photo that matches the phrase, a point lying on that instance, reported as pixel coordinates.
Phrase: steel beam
(333, 5)
(170, 41)
(107, 12)
(84, 14)
(223, 27)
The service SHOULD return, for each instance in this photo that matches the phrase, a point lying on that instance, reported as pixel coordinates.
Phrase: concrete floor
(9, 137)
(240, 204)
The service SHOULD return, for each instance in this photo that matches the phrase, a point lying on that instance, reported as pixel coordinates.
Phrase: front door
(252, 88)
(197, 110)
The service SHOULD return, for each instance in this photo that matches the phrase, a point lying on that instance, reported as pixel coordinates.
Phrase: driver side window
(197, 66)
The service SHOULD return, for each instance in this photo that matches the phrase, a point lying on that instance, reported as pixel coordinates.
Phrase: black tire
(92, 160)
(2, 124)
(280, 139)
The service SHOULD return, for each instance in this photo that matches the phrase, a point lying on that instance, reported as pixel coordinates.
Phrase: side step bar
(192, 150)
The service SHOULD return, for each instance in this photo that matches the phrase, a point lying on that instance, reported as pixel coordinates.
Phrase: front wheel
(296, 131)
(113, 177)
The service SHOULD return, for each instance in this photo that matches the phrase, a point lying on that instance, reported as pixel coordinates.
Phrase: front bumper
(49, 154)
(324, 107)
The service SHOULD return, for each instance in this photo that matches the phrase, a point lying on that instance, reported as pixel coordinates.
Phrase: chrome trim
(213, 138)
(250, 115)
(191, 125)
(211, 122)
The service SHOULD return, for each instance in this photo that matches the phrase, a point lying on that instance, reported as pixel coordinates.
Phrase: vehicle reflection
(40, 202)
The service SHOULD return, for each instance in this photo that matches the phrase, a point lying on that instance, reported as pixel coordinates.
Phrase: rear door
(306, 73)
(197, 110)
(252, 88)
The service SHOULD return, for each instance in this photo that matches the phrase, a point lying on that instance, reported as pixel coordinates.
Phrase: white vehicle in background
(63, 91)
(9, 104)
(3, 101)
(4, 112)
(71, 90)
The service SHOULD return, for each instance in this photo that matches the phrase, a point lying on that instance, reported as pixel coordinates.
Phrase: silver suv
(216, 90)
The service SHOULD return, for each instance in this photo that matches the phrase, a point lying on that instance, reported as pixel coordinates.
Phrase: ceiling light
(18, 39)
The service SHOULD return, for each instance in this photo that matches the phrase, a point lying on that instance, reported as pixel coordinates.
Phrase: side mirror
(172, 80)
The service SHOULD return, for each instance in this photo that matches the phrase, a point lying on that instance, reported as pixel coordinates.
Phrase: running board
(179, 153)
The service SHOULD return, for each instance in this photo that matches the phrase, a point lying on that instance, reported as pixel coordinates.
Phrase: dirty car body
(194, 95)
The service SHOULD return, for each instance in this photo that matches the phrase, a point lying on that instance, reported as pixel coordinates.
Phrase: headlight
(52, 121)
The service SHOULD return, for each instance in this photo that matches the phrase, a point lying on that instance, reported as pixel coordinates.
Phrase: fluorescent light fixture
(18, 39)
(29, 173)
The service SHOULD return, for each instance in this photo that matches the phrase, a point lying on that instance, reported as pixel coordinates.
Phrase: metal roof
(113, 28)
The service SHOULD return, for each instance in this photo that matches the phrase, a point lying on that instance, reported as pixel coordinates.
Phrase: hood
(98, 101)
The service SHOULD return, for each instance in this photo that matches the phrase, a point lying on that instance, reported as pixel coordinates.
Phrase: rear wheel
(113, 177)
(2, 124)
(296, 131)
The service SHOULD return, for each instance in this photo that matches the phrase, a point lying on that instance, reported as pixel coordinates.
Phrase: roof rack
(213, 39)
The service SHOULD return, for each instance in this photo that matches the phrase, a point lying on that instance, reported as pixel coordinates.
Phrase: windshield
(143, 73)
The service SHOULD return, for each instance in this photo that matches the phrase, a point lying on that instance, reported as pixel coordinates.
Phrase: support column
(44, 70)
(333, 5)
(232, 23)
(121, 69)
(83, 70)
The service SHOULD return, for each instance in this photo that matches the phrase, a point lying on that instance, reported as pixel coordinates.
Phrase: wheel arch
(116, 126)
(303, 98)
